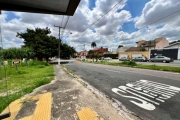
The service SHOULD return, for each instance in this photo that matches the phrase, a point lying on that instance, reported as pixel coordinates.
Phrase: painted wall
(146, 54)
(163, 43)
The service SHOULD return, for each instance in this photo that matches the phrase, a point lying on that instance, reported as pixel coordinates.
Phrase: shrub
(129, 63)
(132, 63)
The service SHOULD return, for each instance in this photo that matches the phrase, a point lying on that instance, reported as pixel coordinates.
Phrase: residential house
(82, 54)
(171, 51)
(100, 51)
(153, 44)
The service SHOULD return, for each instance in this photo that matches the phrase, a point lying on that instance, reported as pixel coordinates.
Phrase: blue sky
(134, 6)
(10, 16)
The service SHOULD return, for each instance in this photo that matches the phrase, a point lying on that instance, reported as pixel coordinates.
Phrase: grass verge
(133, 64)
(23, 81)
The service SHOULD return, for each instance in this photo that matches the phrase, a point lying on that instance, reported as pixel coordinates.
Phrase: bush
(129, 63)
(132, 63)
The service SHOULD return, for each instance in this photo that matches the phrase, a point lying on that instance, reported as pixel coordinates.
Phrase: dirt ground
(71, 94)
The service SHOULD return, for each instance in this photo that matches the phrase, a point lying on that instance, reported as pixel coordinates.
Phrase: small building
(82, 54)
(100, 50)
(172, 51)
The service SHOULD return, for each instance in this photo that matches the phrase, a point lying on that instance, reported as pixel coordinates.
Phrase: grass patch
(134, 64)
(23, 81)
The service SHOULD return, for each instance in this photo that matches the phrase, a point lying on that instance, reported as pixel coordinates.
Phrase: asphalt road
(151, 95)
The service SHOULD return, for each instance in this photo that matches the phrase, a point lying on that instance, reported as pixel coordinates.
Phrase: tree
(67, 51)
(90, 53)
(120, 46)
(93, 44)
(174, 42)
(45, 45)
(142, 49)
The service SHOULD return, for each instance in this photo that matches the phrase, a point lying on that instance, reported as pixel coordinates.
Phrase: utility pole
(59, 60)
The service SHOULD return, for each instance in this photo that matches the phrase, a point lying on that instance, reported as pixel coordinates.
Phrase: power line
(103, 15)
(161, 19)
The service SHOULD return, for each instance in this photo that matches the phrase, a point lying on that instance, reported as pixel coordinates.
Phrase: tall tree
(93, 44)
(43, 45)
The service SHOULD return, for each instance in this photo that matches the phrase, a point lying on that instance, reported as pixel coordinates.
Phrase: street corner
(31, 108)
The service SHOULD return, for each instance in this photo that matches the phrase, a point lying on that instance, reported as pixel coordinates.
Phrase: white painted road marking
(149, 93)
(113, 70)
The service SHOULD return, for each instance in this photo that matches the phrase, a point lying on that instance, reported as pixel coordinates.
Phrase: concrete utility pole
(59, 60)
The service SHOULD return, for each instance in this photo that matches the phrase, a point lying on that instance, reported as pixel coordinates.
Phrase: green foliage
(113, 56)
(17, 53)
(174, 42)
(142, 49)
(129, 63)
(133, 64)
(67, 51)
(120, 46)
(23, 81)
(93, 44)
(96, 56)
(45, 45)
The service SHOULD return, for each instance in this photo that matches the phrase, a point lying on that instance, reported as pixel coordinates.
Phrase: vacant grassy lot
(133, 64)
(23, 81)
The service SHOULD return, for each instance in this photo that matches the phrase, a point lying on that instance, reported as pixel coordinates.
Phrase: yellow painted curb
(14, 109)
(87, 114)
(42, 110)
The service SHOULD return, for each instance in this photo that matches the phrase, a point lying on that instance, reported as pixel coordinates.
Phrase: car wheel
(164, 61)
(142, 60)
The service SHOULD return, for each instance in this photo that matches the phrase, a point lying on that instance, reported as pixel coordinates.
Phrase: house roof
(140, 41)
(99, 48)
(134, 49)
(172, 44)
(59, 7)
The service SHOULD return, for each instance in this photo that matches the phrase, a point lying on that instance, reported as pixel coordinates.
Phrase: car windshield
(66, 59)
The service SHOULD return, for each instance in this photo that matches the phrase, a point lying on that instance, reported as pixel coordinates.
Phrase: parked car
(140, 58)
(124, 59)
(107, 58)
(161, 59)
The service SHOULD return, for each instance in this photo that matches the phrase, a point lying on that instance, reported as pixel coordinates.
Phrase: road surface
(150, 94)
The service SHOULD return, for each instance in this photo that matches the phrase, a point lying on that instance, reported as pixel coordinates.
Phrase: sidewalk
(67, 96)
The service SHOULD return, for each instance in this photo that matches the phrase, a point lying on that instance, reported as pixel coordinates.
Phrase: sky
(129, 22)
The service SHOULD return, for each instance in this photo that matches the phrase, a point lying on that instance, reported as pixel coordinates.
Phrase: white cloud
(107, 28)
(154, 10)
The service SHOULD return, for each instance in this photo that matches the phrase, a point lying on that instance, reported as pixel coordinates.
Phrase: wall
(163, 43)
(146, 54)
(174, 46)
(140, 42)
